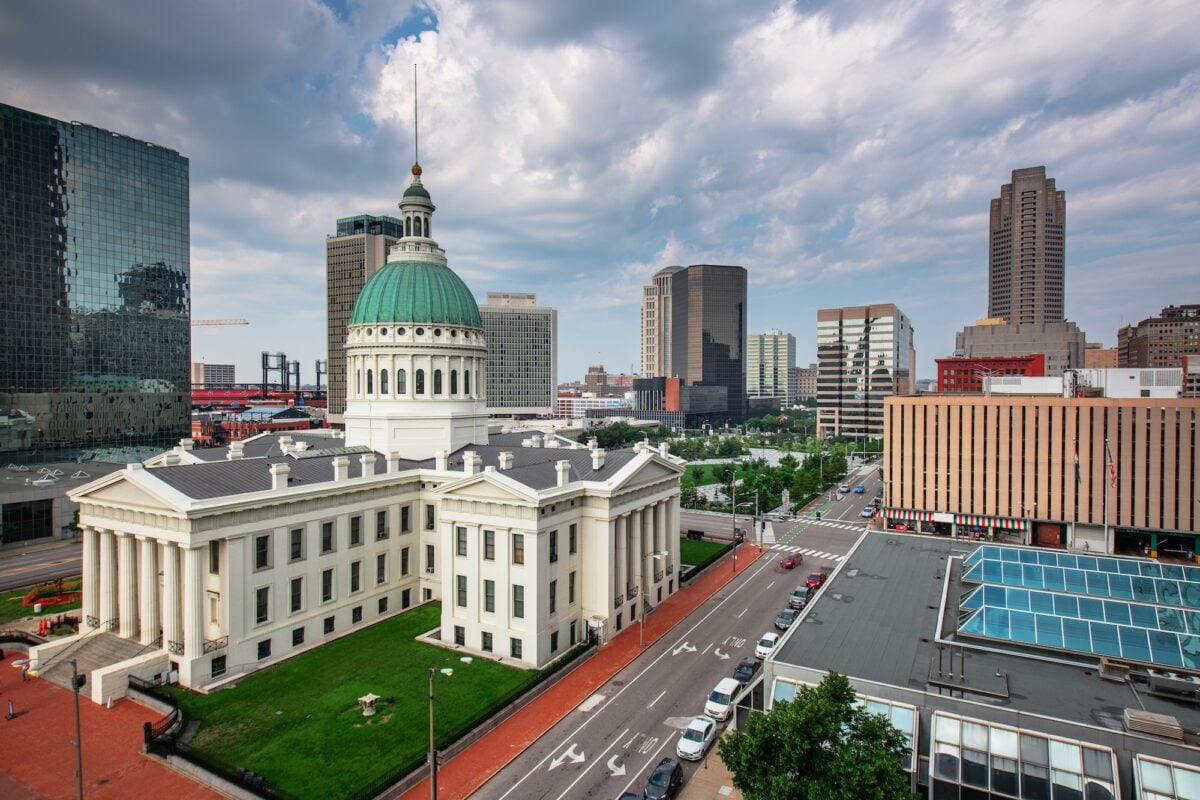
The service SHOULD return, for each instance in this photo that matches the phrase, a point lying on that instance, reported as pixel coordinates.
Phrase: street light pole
(433, 752)
(77, 681)
(642, 617)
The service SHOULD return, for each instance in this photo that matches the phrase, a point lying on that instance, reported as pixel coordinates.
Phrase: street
(38, 564)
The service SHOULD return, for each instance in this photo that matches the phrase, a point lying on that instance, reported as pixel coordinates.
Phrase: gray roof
(13, 481)
(217, 477)
(876, 621)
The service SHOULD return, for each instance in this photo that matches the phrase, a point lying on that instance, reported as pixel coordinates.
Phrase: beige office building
(1162, 341)
(1027, 250)
(656, 324)
(1004, 467)
(770, 357)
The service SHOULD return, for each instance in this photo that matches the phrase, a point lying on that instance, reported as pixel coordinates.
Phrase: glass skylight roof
(1095, 583)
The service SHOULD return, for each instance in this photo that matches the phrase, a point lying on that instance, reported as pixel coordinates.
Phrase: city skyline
(835, 179)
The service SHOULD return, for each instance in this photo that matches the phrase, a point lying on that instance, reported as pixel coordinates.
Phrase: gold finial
(416, 169)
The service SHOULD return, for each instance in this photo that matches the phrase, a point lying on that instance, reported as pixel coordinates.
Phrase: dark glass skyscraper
(95, 315)
(708, 330)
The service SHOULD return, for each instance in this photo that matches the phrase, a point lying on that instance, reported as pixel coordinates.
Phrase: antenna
(416, 126)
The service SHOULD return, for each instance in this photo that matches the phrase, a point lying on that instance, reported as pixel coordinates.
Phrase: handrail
(61, 657)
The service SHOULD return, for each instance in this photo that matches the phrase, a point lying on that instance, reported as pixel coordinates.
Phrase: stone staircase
(93, 652)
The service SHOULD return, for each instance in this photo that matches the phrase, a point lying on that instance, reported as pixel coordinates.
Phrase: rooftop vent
(1154, 724)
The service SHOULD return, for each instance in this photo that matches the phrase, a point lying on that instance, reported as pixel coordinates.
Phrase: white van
(720, 699)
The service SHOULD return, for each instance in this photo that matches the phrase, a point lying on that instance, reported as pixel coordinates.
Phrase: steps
(96, 651)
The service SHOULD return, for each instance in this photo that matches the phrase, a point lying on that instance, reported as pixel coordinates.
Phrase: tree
(819, 746)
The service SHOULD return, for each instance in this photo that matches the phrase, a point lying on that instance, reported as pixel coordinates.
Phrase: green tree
(819, 746)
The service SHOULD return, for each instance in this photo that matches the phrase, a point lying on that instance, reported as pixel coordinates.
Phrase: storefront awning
(909, 514)
(1004, 523)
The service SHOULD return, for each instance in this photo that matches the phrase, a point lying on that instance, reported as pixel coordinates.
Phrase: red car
(815, 579)
(791, 560)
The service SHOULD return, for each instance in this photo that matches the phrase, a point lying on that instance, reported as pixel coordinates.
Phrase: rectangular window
(218, 666)
(553, 595)
(381, 528)
(380, 568)
(429, 562)
(572, 540)
(461, 580)
(264, 649)
(518, 548)
(574, 633)
(489, 595)
(553, 546)
(328, 624)
(406, 598)
(405, 523)
(355, 576)
(518, 609)
(489, 545)
(460, 635)
(327, 542)
(571, 588)
(296, 544)
(297, 636)
(486, 642)
(326, 585)
(554, 642)
(403, 560)
(355, 531)
(297, 594)
(214, 558)
(383, 605)
(514, 648)
(214, 608)
(429, 517)
(356, 615)
(262, 600)
(460, 541)
(262, 551)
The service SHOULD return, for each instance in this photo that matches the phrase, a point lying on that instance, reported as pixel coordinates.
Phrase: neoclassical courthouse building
(211, 563)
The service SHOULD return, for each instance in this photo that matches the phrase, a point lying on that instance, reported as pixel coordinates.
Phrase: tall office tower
(212, 375)
(864, 354)
(1162, 341)
(770, 357)
(656, 324)
(95, 316)
(708, 331)
(522, 360)
(352, 255)
(1027, 249)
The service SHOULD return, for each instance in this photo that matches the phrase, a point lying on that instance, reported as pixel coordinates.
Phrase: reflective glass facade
(95, 334)
(864, 354)
(708, 330)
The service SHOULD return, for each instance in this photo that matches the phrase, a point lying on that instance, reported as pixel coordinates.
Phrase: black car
(785, 618)
(746, 669)
(666, 780)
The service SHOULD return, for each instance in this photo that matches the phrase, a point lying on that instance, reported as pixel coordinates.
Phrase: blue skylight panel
(1104, 639)
(1049, 631)
(1165, 648)
(1134, 643)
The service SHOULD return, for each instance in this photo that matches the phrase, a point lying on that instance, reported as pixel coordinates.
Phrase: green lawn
(693, 552)
(11, 608)
(299, 725)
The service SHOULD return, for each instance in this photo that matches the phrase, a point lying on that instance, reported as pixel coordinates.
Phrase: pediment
(651, 471)
(127, 494)
(485, 487)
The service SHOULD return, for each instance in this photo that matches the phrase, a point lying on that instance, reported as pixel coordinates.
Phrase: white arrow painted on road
(575, 758)
(720, 655)
(618, 770)
(683, 648)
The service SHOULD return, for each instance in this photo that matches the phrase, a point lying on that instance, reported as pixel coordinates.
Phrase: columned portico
(91, 577)
(620, 574)
(635, 553)
(172, 625)
(193, 614)
(148, 591)
(127, 574)
(108, 578)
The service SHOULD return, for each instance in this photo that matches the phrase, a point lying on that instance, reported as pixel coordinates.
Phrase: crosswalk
(805, 551)
(825, 523)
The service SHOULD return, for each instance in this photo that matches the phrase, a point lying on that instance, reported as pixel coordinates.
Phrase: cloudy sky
(843, 152)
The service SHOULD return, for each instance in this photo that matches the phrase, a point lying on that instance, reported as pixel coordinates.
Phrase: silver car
(696, 738)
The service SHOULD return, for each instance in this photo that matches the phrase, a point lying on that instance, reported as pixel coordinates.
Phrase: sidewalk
(473, 767)
(37, 757)
(711, 782)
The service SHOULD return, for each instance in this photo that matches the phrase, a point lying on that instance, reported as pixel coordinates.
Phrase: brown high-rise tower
(1026, 249)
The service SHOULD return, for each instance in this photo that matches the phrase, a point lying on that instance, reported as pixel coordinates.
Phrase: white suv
(766, 645)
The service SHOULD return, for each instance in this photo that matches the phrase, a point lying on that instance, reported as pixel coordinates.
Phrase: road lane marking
(537, 767)
(705, 650)
(616, 770)
(744, 610)
(569, 755)
(585, 770)
(655, 700)
(643, 769)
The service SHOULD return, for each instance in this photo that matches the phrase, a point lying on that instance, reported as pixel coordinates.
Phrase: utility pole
(77, 682)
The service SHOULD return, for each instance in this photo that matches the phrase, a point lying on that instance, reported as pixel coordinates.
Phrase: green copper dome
(416, 291)
(416, 190)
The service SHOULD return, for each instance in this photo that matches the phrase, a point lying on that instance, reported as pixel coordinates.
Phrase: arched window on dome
(428, 220)
(467, 382)
(453, 382)
(437, 381)
(370, 382)
(401, 380)
(383, 382)
(358, 381)
(420, 381)
(477, 384)
(408, 226)
(417, 226)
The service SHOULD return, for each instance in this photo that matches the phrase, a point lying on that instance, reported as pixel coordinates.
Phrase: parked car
(696, 737)
(785, 618)
(867, 512)
(745, 671)
(816, 579)
(666, 780)
(844, 488)
(791, 560)
(860, 489)
(798, 598)
(720, 699)
(766, 645)
(630, 796)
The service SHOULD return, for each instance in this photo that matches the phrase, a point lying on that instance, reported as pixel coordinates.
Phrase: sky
(844, 153)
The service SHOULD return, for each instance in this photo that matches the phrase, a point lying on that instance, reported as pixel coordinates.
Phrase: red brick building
(965, 375)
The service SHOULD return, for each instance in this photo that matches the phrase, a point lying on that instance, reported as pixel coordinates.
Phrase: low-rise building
(1061, 343)
(966, 375)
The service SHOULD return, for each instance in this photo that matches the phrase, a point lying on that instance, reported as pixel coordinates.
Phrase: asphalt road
(611, 742)
(38, 564)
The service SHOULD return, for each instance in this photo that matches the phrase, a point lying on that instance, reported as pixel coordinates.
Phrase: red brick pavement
(37, 757)
(473, 767)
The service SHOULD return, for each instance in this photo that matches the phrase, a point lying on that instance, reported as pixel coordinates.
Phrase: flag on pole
(1112, 467)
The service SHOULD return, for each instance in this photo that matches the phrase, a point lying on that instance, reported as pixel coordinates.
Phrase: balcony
(211, 645)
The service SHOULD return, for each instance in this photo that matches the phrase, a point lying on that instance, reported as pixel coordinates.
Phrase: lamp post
(447, 671)
(642, 618)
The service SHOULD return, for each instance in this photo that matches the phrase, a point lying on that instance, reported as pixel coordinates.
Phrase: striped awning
(1004, 523)
(908, 513)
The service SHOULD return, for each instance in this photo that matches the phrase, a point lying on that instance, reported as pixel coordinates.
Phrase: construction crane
(207, 323)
